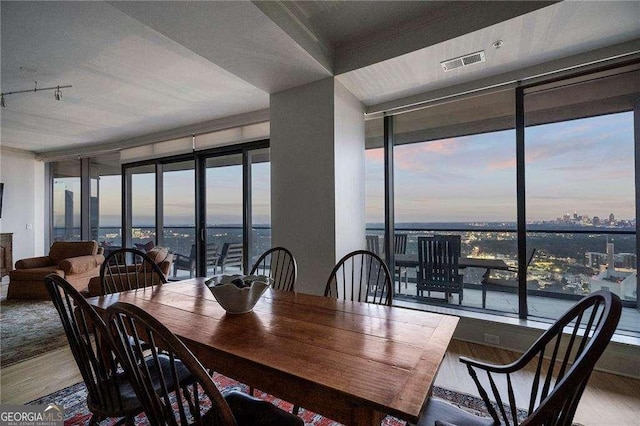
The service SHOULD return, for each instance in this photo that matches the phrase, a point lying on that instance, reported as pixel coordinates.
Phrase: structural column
(317, 177)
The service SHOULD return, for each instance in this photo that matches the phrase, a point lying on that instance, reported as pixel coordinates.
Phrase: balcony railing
(568, 263)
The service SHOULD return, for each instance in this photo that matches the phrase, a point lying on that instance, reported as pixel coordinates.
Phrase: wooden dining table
(349, 361)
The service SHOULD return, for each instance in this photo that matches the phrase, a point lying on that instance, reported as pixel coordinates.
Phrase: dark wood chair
(558, 382)
(279, 264)
(231, 255)
(110, 394)
(400, 247)
(438, 270)
(503, 284)
(129, 269)
(199, 401)
(373, 244)
(188, 263)
(360, 276)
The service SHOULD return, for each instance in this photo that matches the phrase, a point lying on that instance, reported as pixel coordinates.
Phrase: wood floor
(608, 400)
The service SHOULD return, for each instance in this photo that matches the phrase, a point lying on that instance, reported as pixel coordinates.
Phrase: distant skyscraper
(68, 214)
(596, 221)
(611, 257)
(612, 218)
(94, 215)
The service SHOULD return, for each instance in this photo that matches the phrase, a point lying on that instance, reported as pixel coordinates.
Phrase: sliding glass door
(260, 204)
(66, 201)
(142, 207)
(178, 215)
(106, 201)
(202, 207)
(224, 218)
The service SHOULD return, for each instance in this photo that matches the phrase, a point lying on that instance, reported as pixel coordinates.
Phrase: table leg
(485, 277)
(362, 416)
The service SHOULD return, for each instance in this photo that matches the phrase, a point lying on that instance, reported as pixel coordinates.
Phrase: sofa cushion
(158, 255)
(81, 264)
(61, 250)
(145, 247)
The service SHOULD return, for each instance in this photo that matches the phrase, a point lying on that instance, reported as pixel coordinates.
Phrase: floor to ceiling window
(374, 176)
(66, 201)
(193, 204)
(454, 174)
(260, 204)
(178, 214)
(580, 189)
(106, 222)
(143, 205)
(567, 187)
(224, 208)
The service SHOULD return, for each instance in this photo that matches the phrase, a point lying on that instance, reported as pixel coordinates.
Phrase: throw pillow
(145, 247)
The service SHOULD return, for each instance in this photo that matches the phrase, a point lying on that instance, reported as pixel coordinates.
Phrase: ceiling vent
(463, 61)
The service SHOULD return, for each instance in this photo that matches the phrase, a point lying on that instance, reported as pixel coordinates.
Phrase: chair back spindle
(373, 244)
(279, 264)
(231, 255)
(572, 347)
(400, 244)
(360, 276)
(438, 268)
(129, 269)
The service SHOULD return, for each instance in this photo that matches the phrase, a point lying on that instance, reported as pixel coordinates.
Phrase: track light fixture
(57, 94)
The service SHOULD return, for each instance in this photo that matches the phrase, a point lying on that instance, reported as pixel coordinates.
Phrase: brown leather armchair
(75, 261)
(160, 255)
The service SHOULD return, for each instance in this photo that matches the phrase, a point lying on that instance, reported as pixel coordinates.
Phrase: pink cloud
(417, 156)
(376, 155)
(509, 163)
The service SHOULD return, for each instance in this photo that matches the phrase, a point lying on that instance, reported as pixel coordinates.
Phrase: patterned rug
(74, 398)
(28, 328)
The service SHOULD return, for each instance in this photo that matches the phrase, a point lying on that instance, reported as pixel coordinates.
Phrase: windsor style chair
(558, 382)
(197, 401)
(109, 392)
(128, 269)
(279, 264)
(360, 276)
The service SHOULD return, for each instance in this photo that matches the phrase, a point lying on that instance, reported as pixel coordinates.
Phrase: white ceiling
(561, 30)
(140, 68)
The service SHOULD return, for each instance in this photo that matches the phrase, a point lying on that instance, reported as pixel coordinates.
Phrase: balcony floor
(544, 309)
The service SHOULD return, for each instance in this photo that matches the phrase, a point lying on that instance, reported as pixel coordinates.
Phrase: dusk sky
(584, 166)
(224, 192)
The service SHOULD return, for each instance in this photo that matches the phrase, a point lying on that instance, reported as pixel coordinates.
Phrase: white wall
(302, 180)
(349, 171)
(317, 177)
(23, 201)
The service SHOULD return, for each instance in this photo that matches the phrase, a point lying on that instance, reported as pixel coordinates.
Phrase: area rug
(74, 399)
(28, 328)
